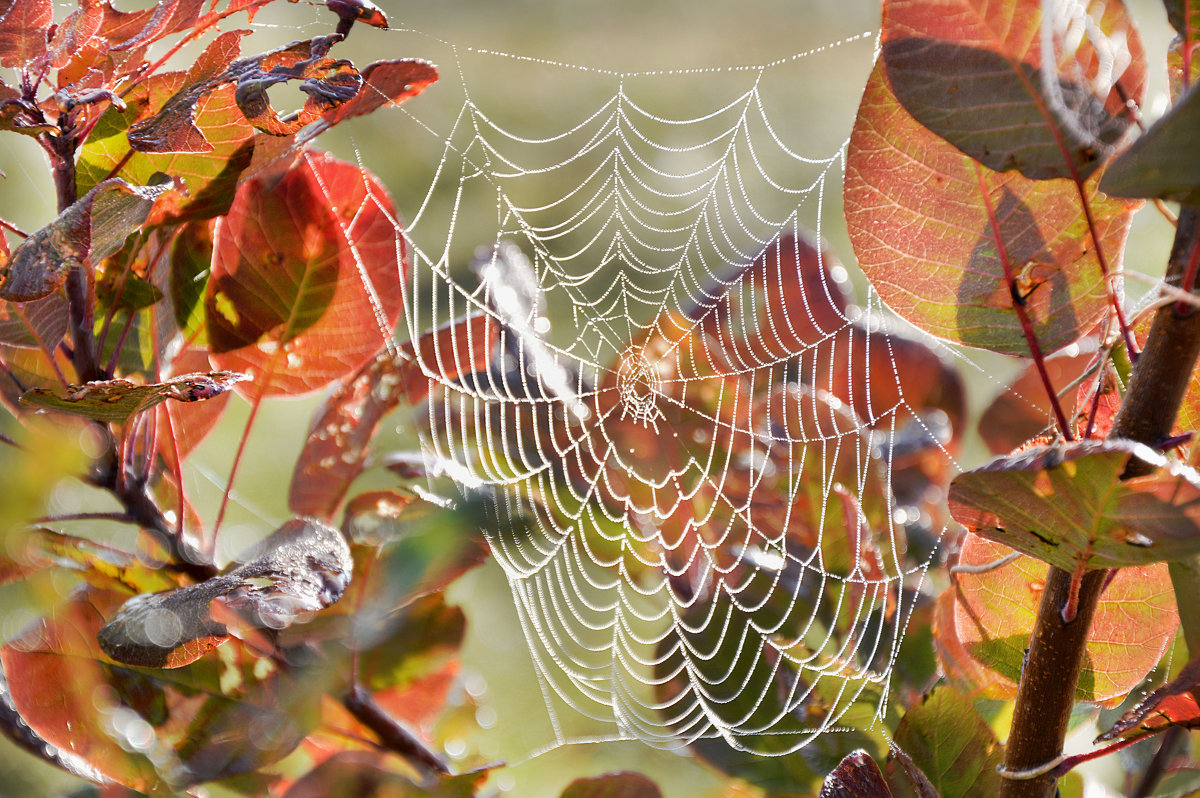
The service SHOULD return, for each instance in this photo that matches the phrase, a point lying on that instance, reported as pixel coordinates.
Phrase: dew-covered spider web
(713, 462)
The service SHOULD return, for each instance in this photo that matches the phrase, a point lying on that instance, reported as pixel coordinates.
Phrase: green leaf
(1068, 506)
(613, 785)
(951, 245)
(951, 744)
(973, 73)
(1164, 162)
(116, 401)
(305, 566)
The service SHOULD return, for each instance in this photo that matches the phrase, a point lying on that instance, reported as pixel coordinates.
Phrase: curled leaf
(856, 776)
(92, 228)
(116, 401)
(1176, 703)
(385, 83)
(305, 566)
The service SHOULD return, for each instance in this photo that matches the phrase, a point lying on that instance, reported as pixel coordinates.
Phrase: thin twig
(392, 734)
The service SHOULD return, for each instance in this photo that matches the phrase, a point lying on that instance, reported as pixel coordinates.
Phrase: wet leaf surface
(305, 566)
(24, 30)
(950, 245)
(150, 731)
(973, 73)
(116, 401)
(306, 277)
(1067, 505)
(994, 613)
(856, 776)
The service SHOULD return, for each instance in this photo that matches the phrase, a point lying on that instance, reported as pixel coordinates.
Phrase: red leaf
(951, 245)
(386, 83)
(306, 278)
(613, 785)
(1176, 703)
(336, 448)
(995, 612)
(24, 30)
(973, 73)
(1022, 411)
(856, 776)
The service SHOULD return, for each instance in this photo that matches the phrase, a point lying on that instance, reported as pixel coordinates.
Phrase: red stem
(1035, 351)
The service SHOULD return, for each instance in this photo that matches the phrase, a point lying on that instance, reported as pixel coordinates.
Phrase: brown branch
(1046, 693)
(391, 733)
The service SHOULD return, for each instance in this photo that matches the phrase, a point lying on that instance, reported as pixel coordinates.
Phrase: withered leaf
(327, 82)
(94, 227)
(116, 401)
(305, 566)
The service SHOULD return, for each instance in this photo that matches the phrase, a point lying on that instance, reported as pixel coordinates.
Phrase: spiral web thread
(691, 484)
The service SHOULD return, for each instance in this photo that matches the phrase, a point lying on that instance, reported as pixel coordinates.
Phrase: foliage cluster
(202, 248)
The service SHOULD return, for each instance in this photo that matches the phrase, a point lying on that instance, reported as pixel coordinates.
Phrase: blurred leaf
(116, 401)
(1176, 703)
(343, 427)
(1067, 505)
(1163, 163)
(973, 73)
(415, 548)
(306, 277)
(856, 776)
(38, 548)
(385, 83)
(305, 566)
(366, 775)
(93, 227)
(1022, 411)
(906, 779)
(24, 30)
(948, 243)
(39, 324)
(951, 745)
(995, 611)
(406, 645)
(613, 785)
(191, 260)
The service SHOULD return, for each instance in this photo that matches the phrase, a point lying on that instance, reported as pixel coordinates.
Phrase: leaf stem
(1035, 350)
(1046, 693)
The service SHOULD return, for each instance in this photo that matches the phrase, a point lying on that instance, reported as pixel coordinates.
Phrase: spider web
(697, 450)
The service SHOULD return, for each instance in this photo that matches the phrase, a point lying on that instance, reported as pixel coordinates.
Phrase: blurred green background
(811, 99)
